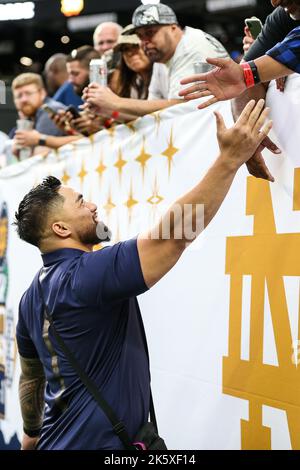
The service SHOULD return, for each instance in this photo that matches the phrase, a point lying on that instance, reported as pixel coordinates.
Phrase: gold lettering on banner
(266, 256)
(296, 206)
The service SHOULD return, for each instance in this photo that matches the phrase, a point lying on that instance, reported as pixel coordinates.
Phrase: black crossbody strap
(118, 426)
(152, 411)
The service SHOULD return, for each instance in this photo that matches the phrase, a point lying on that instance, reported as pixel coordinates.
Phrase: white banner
(222, 324)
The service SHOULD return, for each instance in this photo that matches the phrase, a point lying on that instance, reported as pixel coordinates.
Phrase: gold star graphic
(101, 167)
(65, 178)
(157, 119)
(143, 158)
(130, 126)
(109, 206)
(170, 152)
(111, 132)
(120, 163)
(155, 198)
(131, 202)
(82, 174)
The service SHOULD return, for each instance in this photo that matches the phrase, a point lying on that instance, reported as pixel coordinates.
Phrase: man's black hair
(84, 55)
(33, 211)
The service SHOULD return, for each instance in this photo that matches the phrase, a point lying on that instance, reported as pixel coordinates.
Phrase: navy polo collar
(60, 255)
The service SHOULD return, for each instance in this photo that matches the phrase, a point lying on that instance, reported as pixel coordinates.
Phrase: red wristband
(108, 122)
(248, 75)
(111, 120)
(71, 131)
(115, 114)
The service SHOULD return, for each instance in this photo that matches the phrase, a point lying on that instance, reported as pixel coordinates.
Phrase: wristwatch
(42, 140)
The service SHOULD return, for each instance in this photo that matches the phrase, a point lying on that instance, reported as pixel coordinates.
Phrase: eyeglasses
(27, 94)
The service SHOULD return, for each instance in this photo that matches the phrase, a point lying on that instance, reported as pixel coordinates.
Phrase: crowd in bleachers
(145, 61)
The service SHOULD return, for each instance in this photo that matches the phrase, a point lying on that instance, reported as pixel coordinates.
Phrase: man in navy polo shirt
(92, 299)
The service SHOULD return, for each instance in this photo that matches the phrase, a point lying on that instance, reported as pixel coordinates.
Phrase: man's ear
(61, 229)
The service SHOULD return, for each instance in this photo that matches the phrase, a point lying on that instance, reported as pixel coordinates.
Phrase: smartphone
(255, 26)
(73, 111)
(49, 110)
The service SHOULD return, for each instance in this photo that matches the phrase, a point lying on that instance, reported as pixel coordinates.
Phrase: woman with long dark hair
(132, 77)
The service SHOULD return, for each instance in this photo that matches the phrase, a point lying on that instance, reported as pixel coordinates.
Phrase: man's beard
(153, 55)
(79, 88)
(99, 233)
(28, 110)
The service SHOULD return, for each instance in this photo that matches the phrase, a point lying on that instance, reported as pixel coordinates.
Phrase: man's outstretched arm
(227, 80)
(31, 396)
(159, 253)
(230, 79)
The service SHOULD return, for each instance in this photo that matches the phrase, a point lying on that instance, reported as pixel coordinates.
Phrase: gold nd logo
(266, 256)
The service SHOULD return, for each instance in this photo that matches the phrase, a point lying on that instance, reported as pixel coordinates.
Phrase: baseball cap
(151, 14)
(126, 38)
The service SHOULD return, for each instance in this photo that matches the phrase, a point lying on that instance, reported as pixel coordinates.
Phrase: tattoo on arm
(31, 393)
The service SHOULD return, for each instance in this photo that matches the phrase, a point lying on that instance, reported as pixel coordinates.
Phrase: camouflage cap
(126, 38)
(151, 14)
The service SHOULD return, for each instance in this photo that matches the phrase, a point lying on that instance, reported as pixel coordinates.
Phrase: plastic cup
(202, 67)
(24, 125)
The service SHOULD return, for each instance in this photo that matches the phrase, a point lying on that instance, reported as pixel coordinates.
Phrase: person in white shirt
(172, 49)
(194, 46)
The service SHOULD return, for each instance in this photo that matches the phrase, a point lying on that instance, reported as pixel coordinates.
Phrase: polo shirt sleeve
(113, 273)
(25, 344)
(287, 52)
